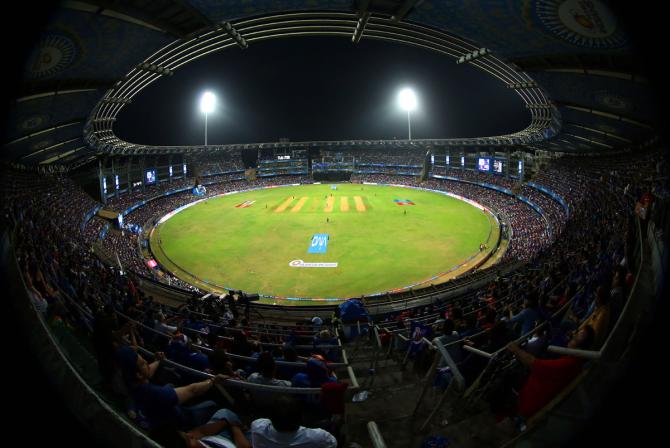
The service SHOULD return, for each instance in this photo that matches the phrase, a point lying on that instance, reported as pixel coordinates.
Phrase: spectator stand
(76, 390)
(501, 360)
(245, 386)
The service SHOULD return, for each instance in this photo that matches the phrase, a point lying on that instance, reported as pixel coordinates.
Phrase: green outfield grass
(376, 245)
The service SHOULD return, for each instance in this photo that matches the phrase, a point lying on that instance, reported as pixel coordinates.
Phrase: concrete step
(400, 429)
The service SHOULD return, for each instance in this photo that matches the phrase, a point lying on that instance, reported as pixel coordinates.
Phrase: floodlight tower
(207, 102)
(407, 101)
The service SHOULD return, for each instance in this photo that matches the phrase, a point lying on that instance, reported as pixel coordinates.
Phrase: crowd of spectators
(374, 156)
(589, 271)
(482, 178)
(554, 212)
(403, 156)
(214, 162)
(140, 193)
(577, 288)
(92, 229)
(210, 168)
(81, 295)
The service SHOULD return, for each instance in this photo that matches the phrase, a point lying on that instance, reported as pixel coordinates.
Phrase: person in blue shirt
(527, 317)
(317, 373)
(163, 405)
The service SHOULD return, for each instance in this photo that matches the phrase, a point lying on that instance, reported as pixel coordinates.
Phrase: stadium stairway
(392, 395)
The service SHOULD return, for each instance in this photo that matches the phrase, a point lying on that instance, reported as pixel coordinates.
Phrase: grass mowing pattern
(379, 249)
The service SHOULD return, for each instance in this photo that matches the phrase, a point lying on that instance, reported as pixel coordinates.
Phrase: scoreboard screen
(483, 164)
(150, 177)
(498, 166)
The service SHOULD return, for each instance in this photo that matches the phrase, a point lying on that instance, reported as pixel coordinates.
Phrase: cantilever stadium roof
(589, 96)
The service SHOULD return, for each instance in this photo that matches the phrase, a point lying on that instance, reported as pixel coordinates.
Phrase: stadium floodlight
(207, 102)
(407, 101)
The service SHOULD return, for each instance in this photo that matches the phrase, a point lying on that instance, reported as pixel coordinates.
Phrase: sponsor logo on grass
(319, 244)
(245, 204)
(302, 264)
(403, 202)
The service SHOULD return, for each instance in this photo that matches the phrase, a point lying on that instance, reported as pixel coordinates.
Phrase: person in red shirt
(548, 377)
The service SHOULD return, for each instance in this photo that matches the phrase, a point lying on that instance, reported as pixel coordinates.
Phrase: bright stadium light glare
(207, 102)
(407, 99)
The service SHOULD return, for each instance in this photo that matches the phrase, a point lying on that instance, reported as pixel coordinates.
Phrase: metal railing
(375, 435)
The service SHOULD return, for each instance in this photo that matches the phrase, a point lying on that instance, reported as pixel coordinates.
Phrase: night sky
(321, 88)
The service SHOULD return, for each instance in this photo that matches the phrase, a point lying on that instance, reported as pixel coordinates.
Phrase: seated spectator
(223, 430)
(162, 405)
(448, 337)
(194, 324)
(489, 319)
(579, 306)
(220, 363)
(56, 315)
(177, 349)
(265, 374)
(163, 324)
(600, 317)
(418, 344)
(336, 322)
(325, 337)
(181, 350)
(470, 326)
(266, 369)
(241, 345)
(317, 374)
(527, 317)
(218, 338)
(289, 355)
(107, 338)
(456, 314)
(549, 376)
(283, 428)
(473, 364)
(537, 342)
(317, 322)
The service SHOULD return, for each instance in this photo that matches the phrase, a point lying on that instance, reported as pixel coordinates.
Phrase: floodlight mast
(407, 101)
(207, 102)
(409, 127)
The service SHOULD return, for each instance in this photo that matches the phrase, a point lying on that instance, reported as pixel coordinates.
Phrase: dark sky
(321, 88)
